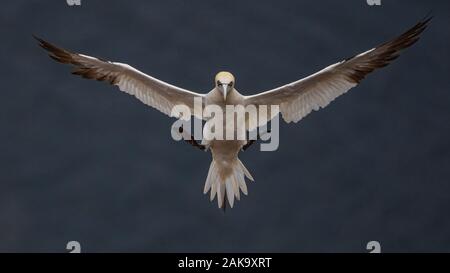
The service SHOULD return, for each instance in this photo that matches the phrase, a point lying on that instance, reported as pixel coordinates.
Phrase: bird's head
(224, 83)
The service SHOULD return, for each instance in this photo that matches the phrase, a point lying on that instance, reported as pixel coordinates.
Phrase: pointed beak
(225, 90)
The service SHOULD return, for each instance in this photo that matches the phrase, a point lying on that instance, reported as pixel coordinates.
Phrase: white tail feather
(230, 191)
(209, 178)
(246, 172)
(213, 191)
(241, 181)
(226, 181)
(236, 187)
(220, 194)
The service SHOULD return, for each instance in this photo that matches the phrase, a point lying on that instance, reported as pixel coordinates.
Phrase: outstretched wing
(151, 91)
(298, 99)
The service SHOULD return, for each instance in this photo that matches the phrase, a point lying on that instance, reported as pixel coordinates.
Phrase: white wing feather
(149, 90)
(296, 100)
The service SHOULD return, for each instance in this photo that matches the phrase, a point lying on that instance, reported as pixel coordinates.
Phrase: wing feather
(296, 100)
(151, 91)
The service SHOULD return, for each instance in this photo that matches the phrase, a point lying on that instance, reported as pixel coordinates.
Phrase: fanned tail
(227, 181)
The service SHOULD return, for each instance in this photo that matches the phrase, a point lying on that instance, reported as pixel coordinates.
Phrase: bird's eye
(231, 84)
(219, 83)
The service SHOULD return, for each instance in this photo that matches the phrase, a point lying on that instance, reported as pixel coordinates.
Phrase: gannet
(226, 176)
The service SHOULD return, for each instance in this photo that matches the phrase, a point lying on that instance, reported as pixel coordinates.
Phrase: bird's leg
(251, 141)
(191, 140)
(248, 144)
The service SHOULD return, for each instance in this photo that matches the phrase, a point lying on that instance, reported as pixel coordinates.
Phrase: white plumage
(226, 175)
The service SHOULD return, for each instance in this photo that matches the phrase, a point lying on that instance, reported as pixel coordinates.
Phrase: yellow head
(224, 82)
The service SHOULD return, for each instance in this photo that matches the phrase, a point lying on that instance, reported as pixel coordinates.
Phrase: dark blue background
(82, 161)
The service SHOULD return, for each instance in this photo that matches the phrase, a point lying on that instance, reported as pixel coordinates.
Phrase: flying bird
(226, 176)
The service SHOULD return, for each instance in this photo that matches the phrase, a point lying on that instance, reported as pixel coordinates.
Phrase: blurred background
(82, 161)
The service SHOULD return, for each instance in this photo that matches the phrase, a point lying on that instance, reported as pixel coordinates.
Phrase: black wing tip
(422, 25)
(428, 17)
(42, 43)
(390, 50)
(411, 36)
(88, 71)
(56, 53)
(414, 34)
(37, 37)
(425, 22)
